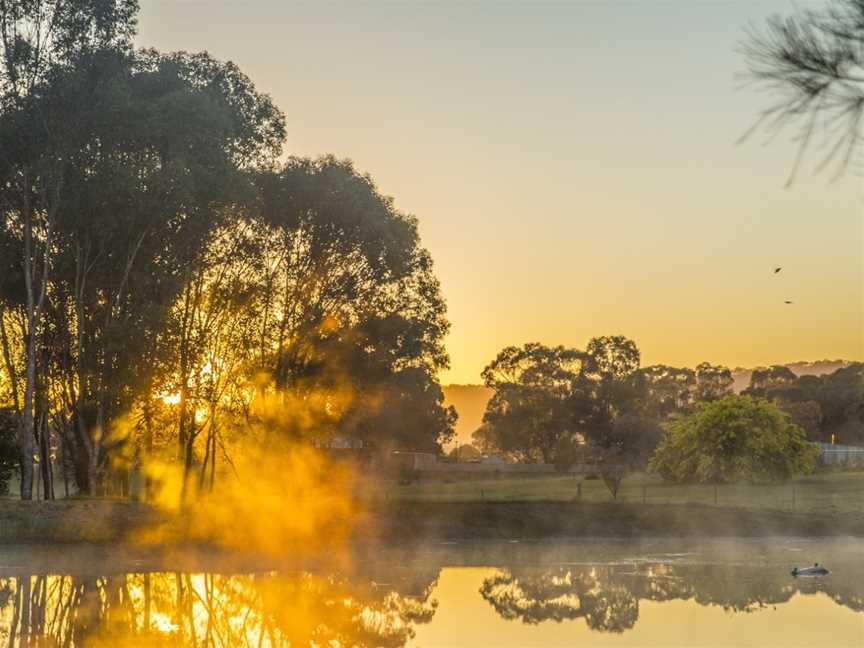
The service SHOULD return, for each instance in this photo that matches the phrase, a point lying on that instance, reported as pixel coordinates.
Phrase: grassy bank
(403, 520)
(539, 520)
(72, 520)
(823, 493)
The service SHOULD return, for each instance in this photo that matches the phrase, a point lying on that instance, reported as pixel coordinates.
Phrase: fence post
(579, 491)
(715, 494)
(793, 497)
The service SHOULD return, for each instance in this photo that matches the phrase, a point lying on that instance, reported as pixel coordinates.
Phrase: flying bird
(776, 270)
(788, 302)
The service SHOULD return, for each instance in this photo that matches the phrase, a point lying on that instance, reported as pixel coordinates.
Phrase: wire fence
(828, 492)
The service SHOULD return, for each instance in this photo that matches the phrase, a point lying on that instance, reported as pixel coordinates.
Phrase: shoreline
(113, 521)
(562, 520)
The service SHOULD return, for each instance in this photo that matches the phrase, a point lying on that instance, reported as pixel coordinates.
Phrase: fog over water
(650, 593)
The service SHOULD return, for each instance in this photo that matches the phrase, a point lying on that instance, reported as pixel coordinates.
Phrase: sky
(575, 167)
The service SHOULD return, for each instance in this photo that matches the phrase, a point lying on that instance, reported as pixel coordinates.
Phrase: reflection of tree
(564, 594)
(209, 610)
(607, 597)
(741, 589)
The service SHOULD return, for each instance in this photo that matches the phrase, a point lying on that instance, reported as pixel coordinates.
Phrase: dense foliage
(830, 408)
(567, 406)
(168, 286)
(735, 438)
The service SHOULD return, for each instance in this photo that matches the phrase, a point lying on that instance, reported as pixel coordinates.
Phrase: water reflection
(380, 606)
(607, 597)
(175, 609)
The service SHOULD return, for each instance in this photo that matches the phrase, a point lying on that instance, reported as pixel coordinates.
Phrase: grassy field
(827, 493)
(539, 507)
(71, 520)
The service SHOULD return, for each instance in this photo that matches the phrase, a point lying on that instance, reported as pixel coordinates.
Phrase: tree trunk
(34, 304)
(64, 469)
(26, 433)
(44, 446)
(148, 451)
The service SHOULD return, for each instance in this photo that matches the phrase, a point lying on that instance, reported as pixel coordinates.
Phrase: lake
(519, 594)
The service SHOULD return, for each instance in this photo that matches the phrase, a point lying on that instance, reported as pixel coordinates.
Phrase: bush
(735, 438)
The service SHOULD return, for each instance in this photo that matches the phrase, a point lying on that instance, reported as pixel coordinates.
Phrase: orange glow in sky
(573, 166)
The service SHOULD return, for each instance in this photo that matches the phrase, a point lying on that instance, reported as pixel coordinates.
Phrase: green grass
(827, 492)
(418, 521)
(71, 520)
(530, 507)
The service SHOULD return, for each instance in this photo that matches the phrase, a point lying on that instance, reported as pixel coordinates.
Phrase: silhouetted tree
(539, 398)
(832, 404)
(712, 381)
(39, 39)
(667, 390)
(162, 276)
(767, 379)
(568, 406)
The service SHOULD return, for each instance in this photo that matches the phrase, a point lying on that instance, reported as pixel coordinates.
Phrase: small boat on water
(815, 570)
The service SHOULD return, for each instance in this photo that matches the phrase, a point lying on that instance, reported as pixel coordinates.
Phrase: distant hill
(816, 368)
(470, 400)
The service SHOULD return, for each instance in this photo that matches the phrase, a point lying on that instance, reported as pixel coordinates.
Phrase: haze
(612, 124)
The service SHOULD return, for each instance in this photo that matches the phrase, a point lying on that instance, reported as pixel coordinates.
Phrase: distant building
(841, 455)
(415, 460)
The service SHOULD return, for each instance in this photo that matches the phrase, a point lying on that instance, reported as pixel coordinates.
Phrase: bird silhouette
(776, 270)
(788, 302)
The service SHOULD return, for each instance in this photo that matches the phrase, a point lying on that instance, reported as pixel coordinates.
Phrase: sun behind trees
(163, 274)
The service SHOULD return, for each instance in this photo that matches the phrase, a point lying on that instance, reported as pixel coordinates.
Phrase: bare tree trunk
(202, 475)
(213, 462)
(43, 439)
(188, 457)
(34, 305)
(63, 459)
(148, 449)
(26, 429)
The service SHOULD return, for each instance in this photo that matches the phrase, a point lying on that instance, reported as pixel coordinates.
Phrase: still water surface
(600, 593)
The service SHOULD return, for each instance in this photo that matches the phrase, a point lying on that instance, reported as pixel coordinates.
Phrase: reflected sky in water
(603, 594)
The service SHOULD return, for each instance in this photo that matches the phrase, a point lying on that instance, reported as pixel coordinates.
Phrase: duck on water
(815, 570)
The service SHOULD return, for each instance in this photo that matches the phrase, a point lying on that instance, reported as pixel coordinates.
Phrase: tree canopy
(560, 405)
(168, 285)
(829, 407)
(735, 438)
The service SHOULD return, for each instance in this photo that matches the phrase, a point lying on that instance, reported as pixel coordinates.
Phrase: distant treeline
(470, 400)
(549, 402)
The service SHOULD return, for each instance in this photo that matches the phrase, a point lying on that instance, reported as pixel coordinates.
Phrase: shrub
(735, 438)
